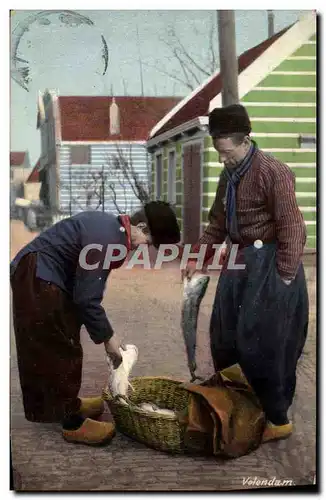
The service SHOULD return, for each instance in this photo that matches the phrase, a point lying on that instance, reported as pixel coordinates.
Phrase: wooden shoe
(91, 432)
(91, 407)
(275, 432)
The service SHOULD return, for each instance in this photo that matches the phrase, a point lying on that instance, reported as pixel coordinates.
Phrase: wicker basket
(162, 432)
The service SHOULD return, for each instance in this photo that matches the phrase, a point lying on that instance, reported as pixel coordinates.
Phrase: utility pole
(228, 57)
(271, 18)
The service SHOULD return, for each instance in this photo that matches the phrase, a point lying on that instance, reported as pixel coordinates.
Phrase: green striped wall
(281, 111)
(279, 96)
(305, 189)
(289, 81)
(265, 121)
(306, 50)
(299, 65)
(281, 126)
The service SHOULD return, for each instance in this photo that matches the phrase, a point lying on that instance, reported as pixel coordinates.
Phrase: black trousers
(261, 323)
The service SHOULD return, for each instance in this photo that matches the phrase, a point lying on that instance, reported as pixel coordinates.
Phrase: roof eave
(199, 123)
(181, 104)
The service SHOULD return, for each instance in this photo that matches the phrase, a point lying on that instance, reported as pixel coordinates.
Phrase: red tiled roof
(17, 158)
(34, 175)
(88, 118)
(199, 104)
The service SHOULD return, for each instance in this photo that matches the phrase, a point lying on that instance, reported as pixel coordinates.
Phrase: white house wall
(81, 177)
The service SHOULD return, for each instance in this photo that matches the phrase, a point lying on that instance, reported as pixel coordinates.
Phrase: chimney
(114, 118)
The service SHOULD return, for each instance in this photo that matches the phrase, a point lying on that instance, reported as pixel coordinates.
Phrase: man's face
(230, 153)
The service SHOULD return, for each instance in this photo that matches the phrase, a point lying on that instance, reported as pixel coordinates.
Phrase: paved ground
(144, 307)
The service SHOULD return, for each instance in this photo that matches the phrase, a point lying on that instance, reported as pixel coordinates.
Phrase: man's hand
(113, 352)
(189, 271)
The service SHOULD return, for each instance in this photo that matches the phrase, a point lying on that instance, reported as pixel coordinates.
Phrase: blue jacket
(58, 251)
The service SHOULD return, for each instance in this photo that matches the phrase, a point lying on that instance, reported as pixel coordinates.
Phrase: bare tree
(193, 69)
(114, 180)
(124, 177)
(83, 186)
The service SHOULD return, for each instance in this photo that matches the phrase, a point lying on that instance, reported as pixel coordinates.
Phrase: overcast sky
(68, 59)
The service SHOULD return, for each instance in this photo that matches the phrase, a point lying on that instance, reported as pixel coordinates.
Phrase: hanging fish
(193, 293)
(118, 379)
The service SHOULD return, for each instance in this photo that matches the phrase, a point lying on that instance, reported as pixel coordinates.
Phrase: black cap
(229, 120)
(162, 223)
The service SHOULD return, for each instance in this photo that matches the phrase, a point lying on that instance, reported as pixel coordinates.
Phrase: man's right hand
(189, 271)
(113, 352)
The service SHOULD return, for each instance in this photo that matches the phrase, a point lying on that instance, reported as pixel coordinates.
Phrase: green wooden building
(277, 84)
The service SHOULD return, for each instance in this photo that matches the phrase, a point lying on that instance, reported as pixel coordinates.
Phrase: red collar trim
(125, 221)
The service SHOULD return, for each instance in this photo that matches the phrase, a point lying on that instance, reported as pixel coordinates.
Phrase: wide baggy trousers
(261, 323)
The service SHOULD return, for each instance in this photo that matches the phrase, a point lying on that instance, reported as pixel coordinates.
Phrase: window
(80, 155)
(158, 176)
(307, 141)
(172, 178)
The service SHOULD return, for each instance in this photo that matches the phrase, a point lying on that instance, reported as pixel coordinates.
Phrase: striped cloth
(266, 209)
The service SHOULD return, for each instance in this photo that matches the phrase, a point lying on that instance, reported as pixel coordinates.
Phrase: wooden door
(191, 193)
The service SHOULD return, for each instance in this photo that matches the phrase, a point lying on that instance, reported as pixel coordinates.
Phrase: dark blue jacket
(58, 250)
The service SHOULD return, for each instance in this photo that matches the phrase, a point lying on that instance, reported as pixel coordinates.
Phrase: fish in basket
(148, 409)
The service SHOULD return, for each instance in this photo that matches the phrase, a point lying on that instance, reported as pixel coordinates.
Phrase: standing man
(58, 283)
(260, 313)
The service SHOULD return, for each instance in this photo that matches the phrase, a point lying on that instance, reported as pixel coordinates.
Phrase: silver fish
(193, 293)
(151, 407)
